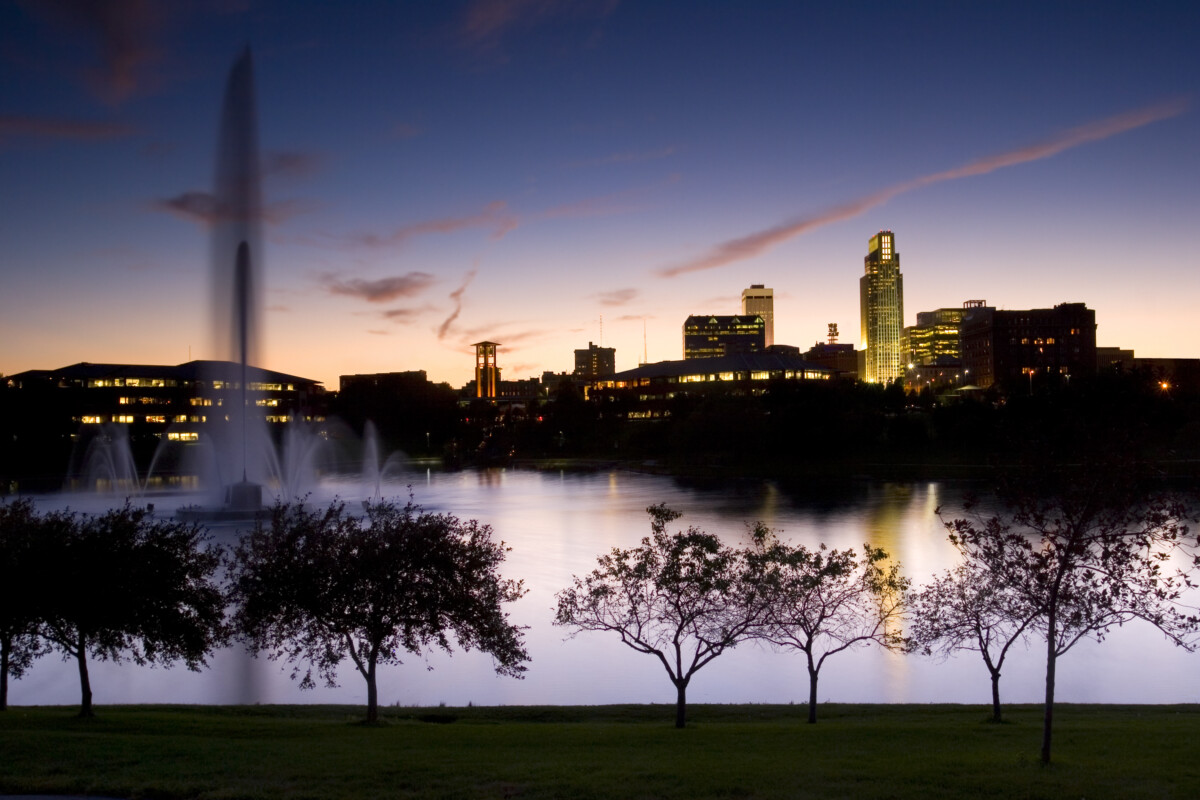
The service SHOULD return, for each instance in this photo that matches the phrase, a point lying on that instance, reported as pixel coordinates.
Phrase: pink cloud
(494, 216)
(381, 290)
(457, 297)
(49, 128)
(204, 208)
(125, 36)
(754, 244)
(618, 297)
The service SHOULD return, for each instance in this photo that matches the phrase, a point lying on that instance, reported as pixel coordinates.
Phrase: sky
(548, 173)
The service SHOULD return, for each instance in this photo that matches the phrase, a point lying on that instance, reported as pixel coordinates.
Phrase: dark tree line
(314, 587)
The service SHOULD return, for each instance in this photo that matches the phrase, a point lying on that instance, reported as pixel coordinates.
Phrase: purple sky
(442, 173)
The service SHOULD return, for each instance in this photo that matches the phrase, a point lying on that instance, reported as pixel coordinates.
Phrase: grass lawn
(884, 751)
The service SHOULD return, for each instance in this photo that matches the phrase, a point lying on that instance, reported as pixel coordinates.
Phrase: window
(155, 418)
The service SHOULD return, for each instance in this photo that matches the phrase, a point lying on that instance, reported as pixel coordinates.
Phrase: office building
(1019, 349)
(595, 362)
(708, 336)
(760, 301)
(935, 338)
(881, 302)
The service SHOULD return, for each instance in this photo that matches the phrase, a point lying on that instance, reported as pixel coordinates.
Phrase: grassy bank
(599, 752)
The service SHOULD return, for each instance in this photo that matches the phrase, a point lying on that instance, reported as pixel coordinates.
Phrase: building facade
(881, 303)
(595, 362)
(759, 301)
(708, 336)
(1018, 349)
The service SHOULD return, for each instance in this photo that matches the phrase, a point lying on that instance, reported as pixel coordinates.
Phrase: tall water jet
(236, 261)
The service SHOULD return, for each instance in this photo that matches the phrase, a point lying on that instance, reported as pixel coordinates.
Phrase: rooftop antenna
(833, 333)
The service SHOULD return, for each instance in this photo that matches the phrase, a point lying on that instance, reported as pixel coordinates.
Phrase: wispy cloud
(487, 22)
(406, 130)
(617, 297)
(457, 297)
(291, 164)
(204, 208)
(382, 290)
(630, 158)
(51, 128)
(754, 244)
(495, 217)
(379, 333)
(125, 34)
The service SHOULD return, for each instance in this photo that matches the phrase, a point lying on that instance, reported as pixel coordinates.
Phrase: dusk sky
(439, 173)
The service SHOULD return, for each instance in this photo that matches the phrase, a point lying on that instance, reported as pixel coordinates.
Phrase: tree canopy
(683, 598)
(822, 602)
(122, 584)
(318, 586)
(1088, 550)
(968, 608)
(19, 643)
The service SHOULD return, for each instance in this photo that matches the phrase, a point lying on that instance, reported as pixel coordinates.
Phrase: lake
(557, 523)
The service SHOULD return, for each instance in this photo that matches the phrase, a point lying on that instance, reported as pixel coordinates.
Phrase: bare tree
(683, 598)
(1089, 551)
(316, 587)
(822, 602)
(968, 609)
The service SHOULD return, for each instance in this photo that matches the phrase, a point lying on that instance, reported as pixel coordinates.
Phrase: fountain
(242, 453)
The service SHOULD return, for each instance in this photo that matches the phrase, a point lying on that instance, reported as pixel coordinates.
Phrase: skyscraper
(759, 300)
(881, 301)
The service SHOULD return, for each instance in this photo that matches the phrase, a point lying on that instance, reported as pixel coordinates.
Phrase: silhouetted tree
(124, 585)
(967, 608)
(19, 643)
(1089, 551)
(683, 598)
(316, 587)
(822, 602)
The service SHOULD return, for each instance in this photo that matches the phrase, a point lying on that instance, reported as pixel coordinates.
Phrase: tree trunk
(5, 649)
(1051, 659)
(680, 703)
(812, 695)
(372, 694)
(85, 685)
(996, 696)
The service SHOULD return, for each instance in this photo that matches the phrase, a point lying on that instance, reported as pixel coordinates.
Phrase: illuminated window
(265, 387)
(725, 376)
(284, 418)
(267, 401)
(125, 418)
(198, 419)
(201, 401)
(760, 376)
(181, 418)
(124, 401)
(155, 418)
(178, 436)
(93, 420)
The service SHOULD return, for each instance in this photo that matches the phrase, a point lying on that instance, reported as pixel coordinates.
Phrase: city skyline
(442, 174)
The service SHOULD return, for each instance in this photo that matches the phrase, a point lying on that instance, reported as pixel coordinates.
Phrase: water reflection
(558, 522)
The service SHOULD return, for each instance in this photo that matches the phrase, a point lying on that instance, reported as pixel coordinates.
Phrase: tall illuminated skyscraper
(759, 300)
(881, 301)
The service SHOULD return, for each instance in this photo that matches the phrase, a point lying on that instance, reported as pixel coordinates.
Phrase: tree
(684, 598)
(822, 601)
(1089, 550)
(968, 609)
(124, 585)
(315, 587)
(19, 643)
